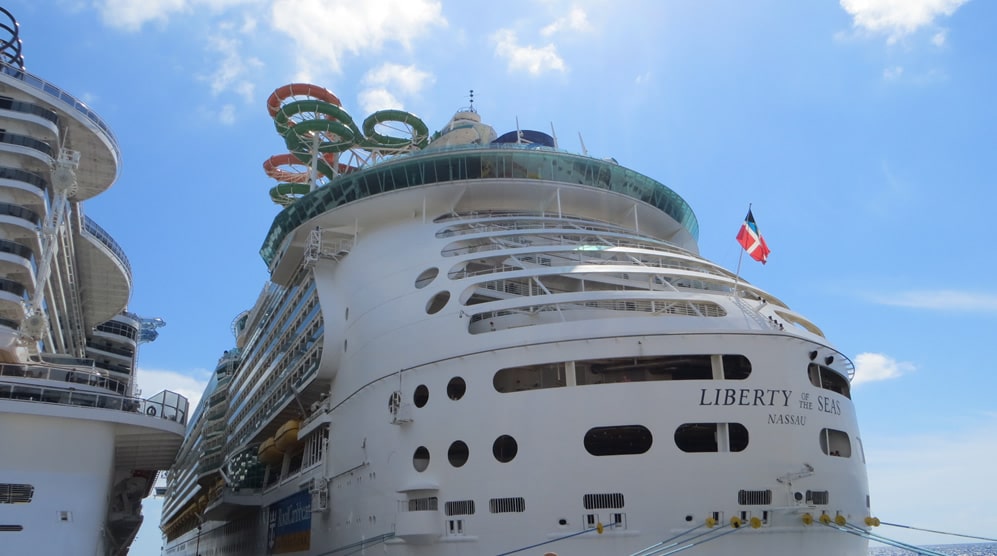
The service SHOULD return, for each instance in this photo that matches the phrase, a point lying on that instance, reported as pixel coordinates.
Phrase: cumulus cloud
(531, 59)
(408, 79)
(384, 84)
(941, 300)
(897, 18)
(131, 15)
(234, 71)
(326, 31)
(189, 385)
(378, 98)
(873, 367)
(576, 20)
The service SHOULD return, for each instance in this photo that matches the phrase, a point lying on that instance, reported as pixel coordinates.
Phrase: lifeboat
(287, 436)
(269, 454)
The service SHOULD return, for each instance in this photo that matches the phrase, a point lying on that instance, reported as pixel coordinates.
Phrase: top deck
(496, 161)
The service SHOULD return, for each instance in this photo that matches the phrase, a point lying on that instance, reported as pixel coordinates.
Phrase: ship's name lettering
(827, 405)
(787, 419)
(744, 396)
(297, 513)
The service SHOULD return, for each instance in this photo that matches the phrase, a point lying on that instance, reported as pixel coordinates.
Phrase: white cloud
(897, 18)
(526, 58)
(326, 31)
(642, 78)
(576, 20)
(894, 73)
(939, 38)
(873, 367)
(190, 385)
(941, 300)
(235, 71)
(227, 114)
(409, 79)
(372, 100)
(131, 15)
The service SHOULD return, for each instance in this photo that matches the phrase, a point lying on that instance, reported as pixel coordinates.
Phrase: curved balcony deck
(88, 133)
(105, 273)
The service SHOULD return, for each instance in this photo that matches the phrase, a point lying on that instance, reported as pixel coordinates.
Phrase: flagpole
(740, 257)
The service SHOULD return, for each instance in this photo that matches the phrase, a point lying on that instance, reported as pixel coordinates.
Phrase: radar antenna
(471, 107)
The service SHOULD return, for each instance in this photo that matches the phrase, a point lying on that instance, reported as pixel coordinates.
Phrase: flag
(752, 241)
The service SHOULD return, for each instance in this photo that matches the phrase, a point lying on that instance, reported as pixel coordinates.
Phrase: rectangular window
(602, 501)
(460, 507)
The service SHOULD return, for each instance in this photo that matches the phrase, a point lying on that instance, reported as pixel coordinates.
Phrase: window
(835, 443)
(420, 459)
(16, 493)
(458, 454)
(425, 277)
(456, 388)
(437, 302)
(505, 448)
(421, 395)
(755, 497)
(828, 379)
(711, 437)
(618, 441)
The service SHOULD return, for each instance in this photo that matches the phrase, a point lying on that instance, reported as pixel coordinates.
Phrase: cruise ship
(81, 448)
(475, 343)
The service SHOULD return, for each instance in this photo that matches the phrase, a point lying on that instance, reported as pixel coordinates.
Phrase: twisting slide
(317, 131)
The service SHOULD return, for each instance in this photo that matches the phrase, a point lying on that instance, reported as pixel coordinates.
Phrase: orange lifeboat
(287, 436)
(269, 454)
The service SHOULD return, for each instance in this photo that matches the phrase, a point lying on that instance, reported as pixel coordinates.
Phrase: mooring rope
(939, 532)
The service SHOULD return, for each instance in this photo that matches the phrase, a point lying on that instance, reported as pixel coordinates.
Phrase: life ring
(151, 411)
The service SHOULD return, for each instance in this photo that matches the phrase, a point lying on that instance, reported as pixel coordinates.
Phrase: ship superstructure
(483, 344)
(81, 448)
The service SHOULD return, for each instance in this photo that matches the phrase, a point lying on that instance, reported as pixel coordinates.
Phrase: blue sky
(862, 132)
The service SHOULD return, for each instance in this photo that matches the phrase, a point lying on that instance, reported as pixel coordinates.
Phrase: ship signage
(744, 397)
(289, 524)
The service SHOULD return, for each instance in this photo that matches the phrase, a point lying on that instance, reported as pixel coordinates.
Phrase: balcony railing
(60, 95)
(98, 233)
(82, 376)
(171, 410)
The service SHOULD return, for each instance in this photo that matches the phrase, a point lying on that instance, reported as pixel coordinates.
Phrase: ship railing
(70, 376)
(74, 103)
(171, 408)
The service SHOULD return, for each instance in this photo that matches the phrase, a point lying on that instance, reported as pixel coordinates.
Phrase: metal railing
(76, 375)
(175, 410)
(60, 95)
(100, 234)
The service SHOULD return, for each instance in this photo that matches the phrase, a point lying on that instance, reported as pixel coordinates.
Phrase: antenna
(519, 134)
(582, 141)
(553, 134)
(471, 95)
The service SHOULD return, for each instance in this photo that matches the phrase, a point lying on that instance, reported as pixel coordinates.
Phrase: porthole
(457, 454)
(456, 388)
(437, 302)
(420, 459)
(505, 448)
(425, 277)
(421, 395)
